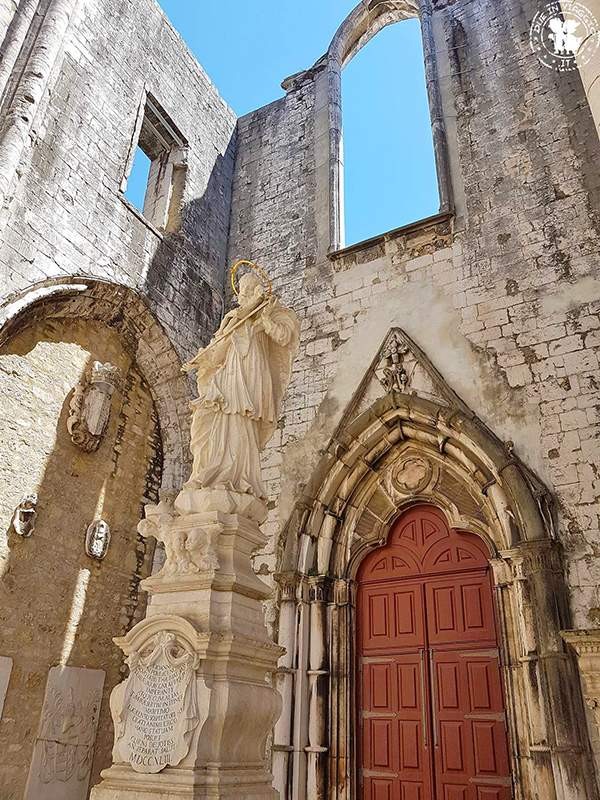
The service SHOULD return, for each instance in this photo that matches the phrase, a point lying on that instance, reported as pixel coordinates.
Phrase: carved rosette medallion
(155, 710)
(412, 475)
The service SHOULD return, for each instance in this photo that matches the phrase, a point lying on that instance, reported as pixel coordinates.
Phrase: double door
(432, 718)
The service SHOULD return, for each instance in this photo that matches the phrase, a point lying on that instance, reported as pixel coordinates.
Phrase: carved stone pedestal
(192, 718)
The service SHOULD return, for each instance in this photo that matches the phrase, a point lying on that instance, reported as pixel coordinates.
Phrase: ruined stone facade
(496, 299)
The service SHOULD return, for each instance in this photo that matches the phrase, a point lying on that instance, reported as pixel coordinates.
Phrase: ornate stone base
(192, 718)
(216, 782)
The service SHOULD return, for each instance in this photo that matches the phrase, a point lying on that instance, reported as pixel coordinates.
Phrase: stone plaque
(5, 670)
(64, 747)
(155, 710)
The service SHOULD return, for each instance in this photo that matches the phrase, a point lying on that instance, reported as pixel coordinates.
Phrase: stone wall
(67, 214)
(502, 295)
(504, 298)
(84, 276)
(59, 605)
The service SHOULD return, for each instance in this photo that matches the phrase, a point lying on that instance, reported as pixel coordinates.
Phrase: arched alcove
(123, 310)
(95, 407)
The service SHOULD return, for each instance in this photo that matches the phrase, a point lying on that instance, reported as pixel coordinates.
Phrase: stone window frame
(158, 137)
(361, 25)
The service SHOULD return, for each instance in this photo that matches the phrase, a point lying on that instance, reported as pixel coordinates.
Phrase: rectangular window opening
(156, 180)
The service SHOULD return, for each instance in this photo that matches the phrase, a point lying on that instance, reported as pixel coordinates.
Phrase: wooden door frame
(422, 579)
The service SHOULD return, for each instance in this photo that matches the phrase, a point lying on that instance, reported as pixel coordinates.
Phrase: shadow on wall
(185, 279)
(59, 605)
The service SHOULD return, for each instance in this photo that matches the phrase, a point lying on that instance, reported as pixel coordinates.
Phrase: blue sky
(249, 46)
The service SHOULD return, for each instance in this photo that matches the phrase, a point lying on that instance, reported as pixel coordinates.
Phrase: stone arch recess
(125, 311)
(359, 27)
(401, 451)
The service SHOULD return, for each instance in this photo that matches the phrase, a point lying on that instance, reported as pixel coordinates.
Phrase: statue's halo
(266, 282)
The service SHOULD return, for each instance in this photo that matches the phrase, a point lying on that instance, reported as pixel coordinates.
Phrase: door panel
(468, 716)
(392, 617)
(460, 609)
(396, 740)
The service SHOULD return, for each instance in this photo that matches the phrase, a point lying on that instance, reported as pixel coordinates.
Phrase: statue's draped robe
(240, 387)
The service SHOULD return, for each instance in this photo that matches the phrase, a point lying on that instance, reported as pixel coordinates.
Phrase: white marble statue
(242, 375)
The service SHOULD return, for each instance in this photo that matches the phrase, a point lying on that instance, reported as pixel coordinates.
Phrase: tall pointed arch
(359, 27)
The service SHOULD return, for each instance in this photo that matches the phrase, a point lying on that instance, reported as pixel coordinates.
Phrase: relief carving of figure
(241, 377)
(67, 736)
(158, 524)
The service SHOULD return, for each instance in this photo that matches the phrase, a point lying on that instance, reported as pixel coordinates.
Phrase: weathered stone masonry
(503, 297)
(82, 272)
(500, 293)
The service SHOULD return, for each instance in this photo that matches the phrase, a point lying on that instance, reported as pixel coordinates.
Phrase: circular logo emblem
(564, 35)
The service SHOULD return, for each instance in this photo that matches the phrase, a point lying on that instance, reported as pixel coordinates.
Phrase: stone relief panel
(412, 474)
(5, 670)
(186, 551)
(155, 710)
(64, 747)
(89, 409)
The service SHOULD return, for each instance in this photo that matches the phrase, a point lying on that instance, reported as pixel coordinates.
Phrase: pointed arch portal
(402, 453)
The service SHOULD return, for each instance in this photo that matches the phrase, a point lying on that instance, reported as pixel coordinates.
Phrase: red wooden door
(432, 722)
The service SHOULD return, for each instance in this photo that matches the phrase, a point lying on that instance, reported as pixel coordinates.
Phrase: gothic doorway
(432, 720)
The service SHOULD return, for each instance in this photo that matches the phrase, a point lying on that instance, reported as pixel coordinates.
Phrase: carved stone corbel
(89, 409)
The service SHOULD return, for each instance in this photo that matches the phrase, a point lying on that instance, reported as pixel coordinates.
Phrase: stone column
(318, 690)
(586, 645)
(342, 755)
(192, 718)
(32, 88)
(553, 750)
(282, 742)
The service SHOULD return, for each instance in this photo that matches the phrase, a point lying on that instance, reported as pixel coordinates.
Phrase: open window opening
(390, 177)
(155, 181)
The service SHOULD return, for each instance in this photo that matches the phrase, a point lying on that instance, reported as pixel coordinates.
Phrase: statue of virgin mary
(242, 376)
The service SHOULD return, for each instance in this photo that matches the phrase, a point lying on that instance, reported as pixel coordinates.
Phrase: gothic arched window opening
(390, 175)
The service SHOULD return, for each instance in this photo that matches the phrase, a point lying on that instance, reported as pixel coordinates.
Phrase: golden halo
(259, 271)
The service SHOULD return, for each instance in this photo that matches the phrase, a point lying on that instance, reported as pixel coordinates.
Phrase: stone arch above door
(388, 454)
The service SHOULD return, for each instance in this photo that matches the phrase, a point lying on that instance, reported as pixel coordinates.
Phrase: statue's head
(251, 291)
